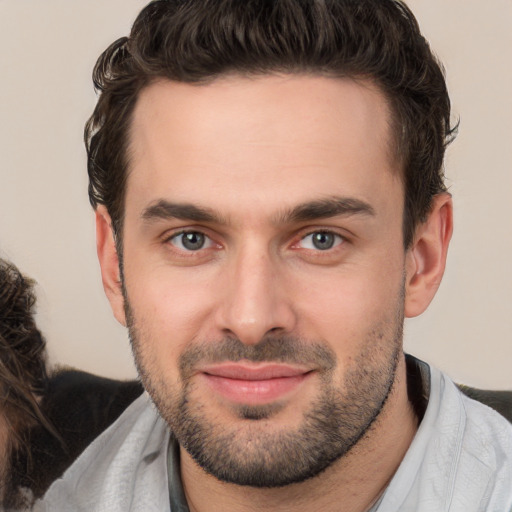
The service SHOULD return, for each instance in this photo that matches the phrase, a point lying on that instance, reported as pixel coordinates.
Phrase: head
(270, 205)
(23, 375)
(198, 42)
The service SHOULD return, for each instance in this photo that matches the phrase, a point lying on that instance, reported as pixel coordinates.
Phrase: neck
(356, 480)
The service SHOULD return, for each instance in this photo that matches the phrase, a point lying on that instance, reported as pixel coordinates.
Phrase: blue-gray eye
(321, 240)
(191, 241)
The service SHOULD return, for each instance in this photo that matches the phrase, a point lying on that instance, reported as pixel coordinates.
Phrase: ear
(109, 263)
(426, 258)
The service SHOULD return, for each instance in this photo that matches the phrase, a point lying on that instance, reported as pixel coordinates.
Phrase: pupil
(193, 241)
(323, 241)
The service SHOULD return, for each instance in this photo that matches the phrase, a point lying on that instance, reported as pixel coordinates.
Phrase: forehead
(269, 140)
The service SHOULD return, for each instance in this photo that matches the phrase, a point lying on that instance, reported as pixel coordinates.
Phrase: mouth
(254, 384)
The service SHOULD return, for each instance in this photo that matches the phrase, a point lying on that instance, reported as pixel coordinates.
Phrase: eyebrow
(164, 210)
(326, 208)
(311, 210)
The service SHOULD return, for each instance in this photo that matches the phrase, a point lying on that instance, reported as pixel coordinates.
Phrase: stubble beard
(250, 451)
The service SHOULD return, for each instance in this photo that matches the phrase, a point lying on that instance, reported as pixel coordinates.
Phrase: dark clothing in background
(80, 406)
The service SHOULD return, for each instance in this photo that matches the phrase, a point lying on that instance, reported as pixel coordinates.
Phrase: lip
(254, 384)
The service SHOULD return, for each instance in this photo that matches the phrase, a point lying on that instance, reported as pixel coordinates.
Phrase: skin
(249, 152)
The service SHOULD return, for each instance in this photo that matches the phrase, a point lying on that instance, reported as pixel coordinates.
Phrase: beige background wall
(48, 49)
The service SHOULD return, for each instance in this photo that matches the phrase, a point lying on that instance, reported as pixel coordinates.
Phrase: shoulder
(499, 400)
(482, 425)
(80, 406)
(128, 456)
(488, 434)
(483, 467)
(460, 458)
(483, 431)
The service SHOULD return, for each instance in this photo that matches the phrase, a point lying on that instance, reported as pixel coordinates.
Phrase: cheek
(347, 307)
(169, 309)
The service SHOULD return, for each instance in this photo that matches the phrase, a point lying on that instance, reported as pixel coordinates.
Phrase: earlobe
(109, 263)
(426, 259)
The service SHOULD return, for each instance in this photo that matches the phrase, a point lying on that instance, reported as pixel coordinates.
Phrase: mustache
(281, 349)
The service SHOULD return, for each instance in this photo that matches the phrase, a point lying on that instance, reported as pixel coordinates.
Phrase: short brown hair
(196, 41)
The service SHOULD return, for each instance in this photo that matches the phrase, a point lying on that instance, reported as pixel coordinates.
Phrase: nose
(254, 301)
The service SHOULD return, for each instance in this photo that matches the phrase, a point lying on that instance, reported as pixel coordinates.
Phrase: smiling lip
(250, 384)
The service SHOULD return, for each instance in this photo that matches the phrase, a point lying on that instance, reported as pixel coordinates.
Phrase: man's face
(264, 268)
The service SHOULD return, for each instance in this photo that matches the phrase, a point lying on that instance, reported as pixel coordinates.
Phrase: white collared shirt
(459, 461)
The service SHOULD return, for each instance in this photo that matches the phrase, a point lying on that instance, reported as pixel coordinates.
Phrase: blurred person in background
(23, 382)
(46, 418)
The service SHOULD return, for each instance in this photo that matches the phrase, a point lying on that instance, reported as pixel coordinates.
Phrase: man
(267, 179)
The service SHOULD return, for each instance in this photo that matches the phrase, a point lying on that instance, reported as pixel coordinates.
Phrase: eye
(191, 241)
(320, 241)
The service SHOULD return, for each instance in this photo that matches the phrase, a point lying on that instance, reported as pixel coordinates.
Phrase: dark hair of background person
(50, 417)
(23, 377)
(197, 41)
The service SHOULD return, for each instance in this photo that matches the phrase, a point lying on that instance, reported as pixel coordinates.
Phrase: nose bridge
(254, 302)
